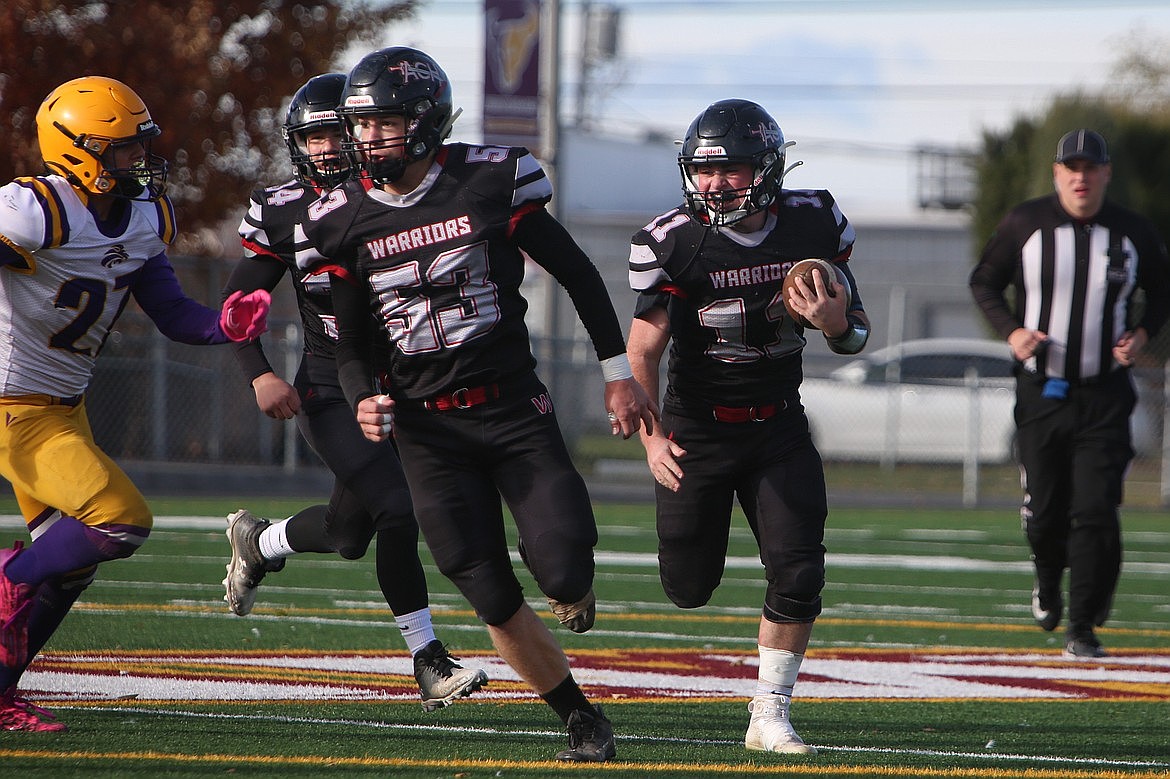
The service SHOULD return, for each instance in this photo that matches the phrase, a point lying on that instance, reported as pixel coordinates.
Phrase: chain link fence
(181, 419)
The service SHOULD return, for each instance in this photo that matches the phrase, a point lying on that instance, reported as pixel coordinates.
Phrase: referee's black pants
(1074, 453)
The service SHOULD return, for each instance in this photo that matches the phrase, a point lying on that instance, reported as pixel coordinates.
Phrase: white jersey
(64, 280)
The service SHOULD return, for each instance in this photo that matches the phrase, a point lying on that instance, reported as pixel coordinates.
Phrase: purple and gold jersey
(269, 229)
(733, 343)
(65, 279)
(441, 272)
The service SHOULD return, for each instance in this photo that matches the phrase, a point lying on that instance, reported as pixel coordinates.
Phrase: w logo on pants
(543, 404)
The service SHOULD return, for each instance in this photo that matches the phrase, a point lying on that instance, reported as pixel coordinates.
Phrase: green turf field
(925, 663)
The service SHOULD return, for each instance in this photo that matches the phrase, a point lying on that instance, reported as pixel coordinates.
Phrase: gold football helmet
(80, 124)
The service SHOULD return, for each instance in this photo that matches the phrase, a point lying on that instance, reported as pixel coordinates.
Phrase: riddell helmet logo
(322, 116)
(710, 151)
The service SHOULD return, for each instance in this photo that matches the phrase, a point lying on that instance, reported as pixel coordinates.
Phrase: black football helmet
(312, 107)
(733, 131)
(403, 81)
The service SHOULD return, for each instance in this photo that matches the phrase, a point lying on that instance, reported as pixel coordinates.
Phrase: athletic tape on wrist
(851, 341)
(616, 368)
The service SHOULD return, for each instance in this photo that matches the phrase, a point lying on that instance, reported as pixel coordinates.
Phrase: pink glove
(245, 316)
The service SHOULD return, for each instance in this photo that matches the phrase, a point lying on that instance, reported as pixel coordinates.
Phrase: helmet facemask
(323, 170)
(314, 108)
(712, 207)
(380, 169)
(427, 125)
(144, 179)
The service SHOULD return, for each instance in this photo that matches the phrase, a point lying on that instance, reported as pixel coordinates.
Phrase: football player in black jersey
(709, 274)
(427, 250)
(370, 494)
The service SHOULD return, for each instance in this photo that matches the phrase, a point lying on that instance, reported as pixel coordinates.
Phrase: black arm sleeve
(994, 273)
(354, 337)
(1154, 279)
(250, 274)
(549, 244)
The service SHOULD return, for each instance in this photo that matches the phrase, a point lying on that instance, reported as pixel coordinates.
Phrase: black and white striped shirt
(1074, 280)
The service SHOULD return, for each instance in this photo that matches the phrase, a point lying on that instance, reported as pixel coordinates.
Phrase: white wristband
(616, 368)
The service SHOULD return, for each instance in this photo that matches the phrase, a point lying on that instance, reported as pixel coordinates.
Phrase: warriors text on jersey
(269, 229)
(443, 272)
(735, 345)
(1074, 281)
(65, 278)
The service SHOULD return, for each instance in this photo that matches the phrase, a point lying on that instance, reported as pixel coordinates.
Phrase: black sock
(566, 698)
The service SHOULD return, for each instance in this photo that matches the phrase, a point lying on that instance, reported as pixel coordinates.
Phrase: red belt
(748, 414)
(463, 398)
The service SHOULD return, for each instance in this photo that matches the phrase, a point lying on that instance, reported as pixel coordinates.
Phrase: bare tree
(215, 74)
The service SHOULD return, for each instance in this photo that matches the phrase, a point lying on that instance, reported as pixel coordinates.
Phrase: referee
(1075, 261)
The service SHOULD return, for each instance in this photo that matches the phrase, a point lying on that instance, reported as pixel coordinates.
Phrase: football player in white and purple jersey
(370, 496)
(710, 276)
(428, 252)
(75, 245)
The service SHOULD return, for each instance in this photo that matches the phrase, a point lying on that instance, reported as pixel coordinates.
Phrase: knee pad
(351, 549)
(689, 574)
(495, 594)
(795, 594)
(567, 584)
(789, 608)
(687, 592)
(351, 539)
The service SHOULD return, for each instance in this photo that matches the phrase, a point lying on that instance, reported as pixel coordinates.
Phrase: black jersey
(733, 342)
(270, 230)
(441, 269)
(1074, 280)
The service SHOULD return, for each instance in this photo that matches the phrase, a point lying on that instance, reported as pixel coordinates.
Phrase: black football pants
(1074, 453)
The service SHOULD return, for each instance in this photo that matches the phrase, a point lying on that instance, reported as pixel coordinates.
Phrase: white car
(929, 400)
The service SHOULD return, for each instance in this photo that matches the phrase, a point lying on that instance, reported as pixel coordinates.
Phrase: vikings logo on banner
(511, 79)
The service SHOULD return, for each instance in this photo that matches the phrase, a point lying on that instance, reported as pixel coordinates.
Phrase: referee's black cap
(1082, 145)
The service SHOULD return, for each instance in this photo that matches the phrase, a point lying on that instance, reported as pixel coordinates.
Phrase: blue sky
(859, 84)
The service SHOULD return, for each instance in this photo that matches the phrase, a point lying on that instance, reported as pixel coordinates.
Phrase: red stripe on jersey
(673, 289)
(256, 248)
(335, 270)
(520, 213)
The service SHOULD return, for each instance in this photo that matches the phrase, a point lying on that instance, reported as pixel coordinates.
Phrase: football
(804, 269)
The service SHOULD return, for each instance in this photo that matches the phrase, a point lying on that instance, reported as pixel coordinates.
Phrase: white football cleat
(770, 729)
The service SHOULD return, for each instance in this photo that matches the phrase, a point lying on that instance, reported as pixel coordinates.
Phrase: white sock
(778, 671)
(274, 541)
(416, 628)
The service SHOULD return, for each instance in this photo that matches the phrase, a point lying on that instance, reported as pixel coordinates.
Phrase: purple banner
(511, 73)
